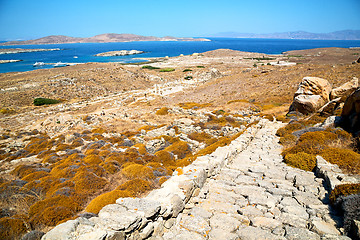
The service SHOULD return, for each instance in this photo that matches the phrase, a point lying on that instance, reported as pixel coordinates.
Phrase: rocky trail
(241, 191)
(257, 196)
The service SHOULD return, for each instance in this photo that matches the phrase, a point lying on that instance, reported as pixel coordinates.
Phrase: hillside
(338, 35)
(102, 38)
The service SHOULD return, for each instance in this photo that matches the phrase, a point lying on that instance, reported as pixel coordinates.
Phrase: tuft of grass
(167, 69)
(200, 66)
(45, 101)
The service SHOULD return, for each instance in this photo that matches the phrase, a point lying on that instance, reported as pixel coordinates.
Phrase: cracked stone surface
(257, 196)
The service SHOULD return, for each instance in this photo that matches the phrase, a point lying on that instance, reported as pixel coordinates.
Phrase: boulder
(314, 86)
(350, 116)
(330, 107)
(306, 104)
(345, 90)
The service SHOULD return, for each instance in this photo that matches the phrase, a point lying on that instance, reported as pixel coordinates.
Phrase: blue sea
(84, 52)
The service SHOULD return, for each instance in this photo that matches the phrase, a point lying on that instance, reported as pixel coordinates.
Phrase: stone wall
(138, 218)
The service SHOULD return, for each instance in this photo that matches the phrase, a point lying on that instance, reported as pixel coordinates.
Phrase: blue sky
(27, 19)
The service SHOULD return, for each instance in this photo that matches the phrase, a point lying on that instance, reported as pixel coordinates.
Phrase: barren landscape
(121, 130)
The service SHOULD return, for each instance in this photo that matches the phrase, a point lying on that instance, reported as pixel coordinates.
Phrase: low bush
(200, 66)
(167, 69)
(344, 190)
(180, 148)
(45, 101)
(138, 171)
(162, 111)
(92, 159)
(344, 158)
(301, 160)
(104, 199)
(149, 67)
(135, 186)
(11, 228)
(188, 77)
(187, 70)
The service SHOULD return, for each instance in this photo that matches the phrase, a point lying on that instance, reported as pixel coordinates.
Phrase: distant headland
(102, 38)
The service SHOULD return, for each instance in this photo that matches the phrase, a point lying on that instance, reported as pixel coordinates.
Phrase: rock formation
(315, 95)
(345, 90)
(350, 116)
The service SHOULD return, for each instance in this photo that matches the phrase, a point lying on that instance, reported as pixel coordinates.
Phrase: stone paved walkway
(257, 196)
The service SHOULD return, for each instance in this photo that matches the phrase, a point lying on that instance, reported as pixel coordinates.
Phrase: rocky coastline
(21, 50)
(119, 53)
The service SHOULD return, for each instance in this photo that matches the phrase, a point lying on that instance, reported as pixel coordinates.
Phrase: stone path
(257, 196)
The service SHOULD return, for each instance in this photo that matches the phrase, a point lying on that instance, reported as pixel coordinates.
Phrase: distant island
(119, 53)
(102, 38)
(22, 50)
(338, 35)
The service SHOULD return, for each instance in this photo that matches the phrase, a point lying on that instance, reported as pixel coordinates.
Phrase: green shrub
(187, 70)
(188, 77)
(149, 67)
(167, 70)
(200, 66)
(45, 101)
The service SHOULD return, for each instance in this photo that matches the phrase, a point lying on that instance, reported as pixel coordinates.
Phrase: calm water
(85, 51)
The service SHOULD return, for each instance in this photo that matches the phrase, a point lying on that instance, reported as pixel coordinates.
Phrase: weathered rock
(293, 233)
(306, 104)
(225, 222)
(118, 218)
(62, 231)
(220, 234)
(314, 86)
(254, 233)
(145, 207)
(322, 227)
(350, 116)
(345, 90)
(265, 222)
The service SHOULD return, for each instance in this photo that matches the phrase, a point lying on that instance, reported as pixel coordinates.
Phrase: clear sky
(27, 19)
